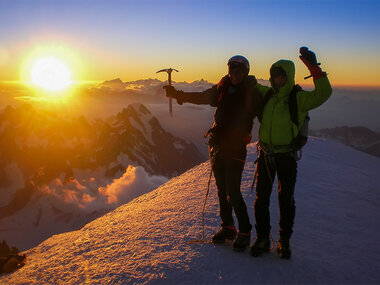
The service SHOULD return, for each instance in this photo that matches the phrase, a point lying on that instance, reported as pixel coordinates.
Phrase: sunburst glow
(51, 74)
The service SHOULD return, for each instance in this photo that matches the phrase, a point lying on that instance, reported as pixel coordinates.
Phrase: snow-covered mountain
(361, 138)
(335, 238)
(152, 86)
(114, 84)
(348, 107)
(56, 173)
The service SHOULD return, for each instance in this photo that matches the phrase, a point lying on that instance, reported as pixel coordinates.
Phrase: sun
(50, 73)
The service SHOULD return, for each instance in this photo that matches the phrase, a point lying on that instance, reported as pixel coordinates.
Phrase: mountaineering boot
(261, 245)
(242, 242)
(283, 248)
(223, 234)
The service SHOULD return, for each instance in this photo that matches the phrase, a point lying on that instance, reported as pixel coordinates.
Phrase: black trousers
(228, 172)
(285, 166)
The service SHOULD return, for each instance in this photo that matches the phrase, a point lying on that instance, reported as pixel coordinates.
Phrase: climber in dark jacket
(237, 103)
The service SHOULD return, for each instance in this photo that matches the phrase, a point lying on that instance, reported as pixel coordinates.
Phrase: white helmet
(238, 61)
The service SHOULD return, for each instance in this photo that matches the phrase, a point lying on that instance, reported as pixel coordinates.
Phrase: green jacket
(276, 125)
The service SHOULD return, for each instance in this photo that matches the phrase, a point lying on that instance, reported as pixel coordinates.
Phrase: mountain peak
(140, 108)
(136, 111)
(113, 81)
(115, 84)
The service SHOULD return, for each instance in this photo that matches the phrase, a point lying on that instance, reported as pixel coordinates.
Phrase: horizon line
(334, 85)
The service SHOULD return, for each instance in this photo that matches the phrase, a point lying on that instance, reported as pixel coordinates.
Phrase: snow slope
(145, 241)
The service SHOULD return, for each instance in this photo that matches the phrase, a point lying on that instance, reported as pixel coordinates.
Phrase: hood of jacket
(290, 70)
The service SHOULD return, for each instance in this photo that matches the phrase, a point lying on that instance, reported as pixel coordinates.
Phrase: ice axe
(169, 71)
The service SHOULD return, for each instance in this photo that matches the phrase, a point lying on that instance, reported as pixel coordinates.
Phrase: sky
(131, 40)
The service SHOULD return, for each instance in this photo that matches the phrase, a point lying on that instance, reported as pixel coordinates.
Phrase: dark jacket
(236, 107)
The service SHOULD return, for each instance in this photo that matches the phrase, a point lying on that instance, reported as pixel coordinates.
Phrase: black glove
(310, 60)
(308, 57)
(172, 92)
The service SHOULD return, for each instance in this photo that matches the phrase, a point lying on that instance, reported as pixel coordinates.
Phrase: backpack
(301, 139)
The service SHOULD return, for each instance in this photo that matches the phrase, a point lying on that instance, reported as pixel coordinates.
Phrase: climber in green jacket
(276, 144)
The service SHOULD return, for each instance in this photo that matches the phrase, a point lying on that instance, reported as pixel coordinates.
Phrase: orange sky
(132, 40)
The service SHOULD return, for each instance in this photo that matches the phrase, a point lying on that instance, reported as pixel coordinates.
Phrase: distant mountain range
(360, 138)
(152, 84)
(49, 162)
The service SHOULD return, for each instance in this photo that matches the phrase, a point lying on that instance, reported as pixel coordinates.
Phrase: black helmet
(238, 61)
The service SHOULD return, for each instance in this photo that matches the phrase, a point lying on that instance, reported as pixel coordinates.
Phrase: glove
(172, 92)
(310, 60)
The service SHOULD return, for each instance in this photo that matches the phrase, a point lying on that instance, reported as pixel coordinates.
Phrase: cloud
(134, 182)
(91, 195)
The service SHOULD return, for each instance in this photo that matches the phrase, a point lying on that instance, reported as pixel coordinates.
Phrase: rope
(255, 173)
(202, 240)
(266, 155)
(267, 167)
(272, 240)
(254, 177)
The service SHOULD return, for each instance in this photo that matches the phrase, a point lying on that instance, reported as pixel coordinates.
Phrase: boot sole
(284, 255)
(226, 241)
(240, 249)
(259, 252)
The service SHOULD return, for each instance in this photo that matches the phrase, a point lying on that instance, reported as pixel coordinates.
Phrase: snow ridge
(145, 241)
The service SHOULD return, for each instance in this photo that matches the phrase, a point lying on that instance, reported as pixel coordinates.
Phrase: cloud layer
(95, 194)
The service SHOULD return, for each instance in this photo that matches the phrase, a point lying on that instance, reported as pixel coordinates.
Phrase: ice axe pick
(169, 71)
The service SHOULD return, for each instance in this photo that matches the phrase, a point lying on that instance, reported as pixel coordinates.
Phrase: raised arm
(309, 100)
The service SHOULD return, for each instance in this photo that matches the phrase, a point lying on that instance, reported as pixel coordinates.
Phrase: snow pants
(285, 165)
(228, 172)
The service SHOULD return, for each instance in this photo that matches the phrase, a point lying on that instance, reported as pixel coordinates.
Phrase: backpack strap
(267, 96)
(293, 105)
(300, 140)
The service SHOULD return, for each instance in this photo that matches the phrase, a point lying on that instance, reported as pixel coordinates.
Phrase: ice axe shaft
(169, 71)
(170, 97)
